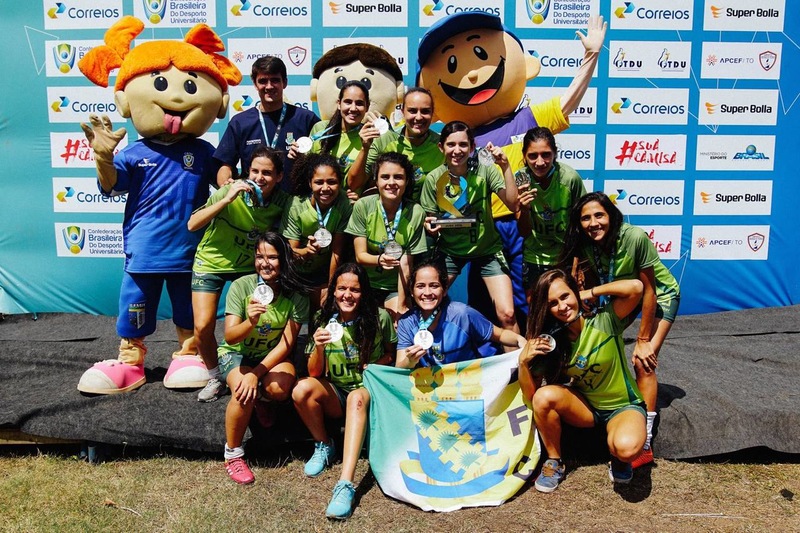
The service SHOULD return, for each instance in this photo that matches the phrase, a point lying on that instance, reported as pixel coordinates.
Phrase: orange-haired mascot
(172, 91)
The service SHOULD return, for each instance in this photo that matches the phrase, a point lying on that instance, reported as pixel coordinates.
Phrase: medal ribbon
(605, 277)
(451, 207)
(426, 323)
(391, 231)
(258, 194)
(278, 128)
(323, 221)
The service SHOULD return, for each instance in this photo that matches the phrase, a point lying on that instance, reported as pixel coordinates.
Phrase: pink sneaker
(239, 471)
(186, 372)
(111, 377)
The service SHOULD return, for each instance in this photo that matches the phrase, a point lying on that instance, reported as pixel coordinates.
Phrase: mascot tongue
(172, 123)
(482, 96)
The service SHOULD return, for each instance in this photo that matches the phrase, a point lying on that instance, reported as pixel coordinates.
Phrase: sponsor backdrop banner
(689, 124)
(451, 436)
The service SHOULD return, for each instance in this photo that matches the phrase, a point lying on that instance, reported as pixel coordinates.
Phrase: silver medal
(381, 124)
(485, 157)
(424, 339)
(521, 178)
(336, 330)
(392, 249)
(263, 294)
(304, 144)
(550, 340)
(323, 237)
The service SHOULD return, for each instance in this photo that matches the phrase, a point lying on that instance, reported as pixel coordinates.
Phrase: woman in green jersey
(589, 353)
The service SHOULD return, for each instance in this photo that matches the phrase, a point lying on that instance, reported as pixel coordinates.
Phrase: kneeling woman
(590, 353)
(351, 332)
(263, 315)
(440, 331)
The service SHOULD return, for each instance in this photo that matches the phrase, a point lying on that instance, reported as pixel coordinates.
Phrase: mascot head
(169, 89)
(371, 65)
(475, 68)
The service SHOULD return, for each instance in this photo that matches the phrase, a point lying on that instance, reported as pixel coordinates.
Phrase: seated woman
(315, 221)
(351, 331)
(590, 353)
(263, 315)
(440, 331)
(388, 230)
(462, 190)
(617, 250)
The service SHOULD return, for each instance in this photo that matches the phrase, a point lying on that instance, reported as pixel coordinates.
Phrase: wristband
(591, 291)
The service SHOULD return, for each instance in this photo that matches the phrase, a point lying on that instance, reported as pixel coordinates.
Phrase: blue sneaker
(341, 505)
(620, 472)
(324, 455)
(551, 475)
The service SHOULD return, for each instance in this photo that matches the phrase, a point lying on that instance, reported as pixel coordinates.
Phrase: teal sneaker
(620, 472)
(341, 506)
(551, 475)
(324, 455)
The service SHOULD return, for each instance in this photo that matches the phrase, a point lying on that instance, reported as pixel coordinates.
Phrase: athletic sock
(213, 373)
(233, 453)
(651, 417)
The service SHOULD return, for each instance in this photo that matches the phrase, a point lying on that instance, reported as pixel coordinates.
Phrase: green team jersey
(635, 252)
(482, 238)
(267, 333)
(345, 150)
(301, 221)
(425, 157)
(598, 366)
(367, 221)
(549, 214)
(227, 245)
(342, 356)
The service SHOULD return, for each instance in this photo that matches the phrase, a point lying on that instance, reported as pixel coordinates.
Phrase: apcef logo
(538, 10)
(68, 192)
(53, 12)
(715, 11)
(620, 12)
(237, 10)
(701, 242)
(244, 103)
(64, 57)
(335, 8)
(74, 238)
(617, 107)
(62, 101)
(430, 8)
(154, 10)
(712, 60)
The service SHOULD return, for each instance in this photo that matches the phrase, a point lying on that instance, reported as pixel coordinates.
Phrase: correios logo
(237, 9)
(68, 192)
(620, 12)
(430, 8)
(154, 10)
(538, 10)
(53, 12)
(74, 238)
(617, 107)
(62, 101)
(244, 103)
(621, 195)
(64, 57)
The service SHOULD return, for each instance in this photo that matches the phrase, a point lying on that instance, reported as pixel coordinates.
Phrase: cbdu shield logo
(64, 56)
(74, 238)
(538, 10)
(154, 10)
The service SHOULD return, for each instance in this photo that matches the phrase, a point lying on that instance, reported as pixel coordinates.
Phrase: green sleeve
(495, 178)
(357, 225)
(646, 254)
(299, 308)
(236, 300)
(346, 209)
(290, 221)
(417, 244)
(427, 197)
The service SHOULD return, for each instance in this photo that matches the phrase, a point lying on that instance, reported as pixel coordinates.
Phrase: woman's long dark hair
(541, 320)
(335, 123)
(402, 161)
(366, 325)
(304, 168)
(575, 237)
(289, 280)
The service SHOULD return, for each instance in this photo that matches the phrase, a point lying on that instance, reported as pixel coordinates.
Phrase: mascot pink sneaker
(111, 377)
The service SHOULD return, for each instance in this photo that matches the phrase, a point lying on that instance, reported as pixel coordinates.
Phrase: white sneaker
(213, 390)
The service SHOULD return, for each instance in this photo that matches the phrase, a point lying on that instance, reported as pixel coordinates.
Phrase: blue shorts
(513, 244)
(140, 295)
(601, 417)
